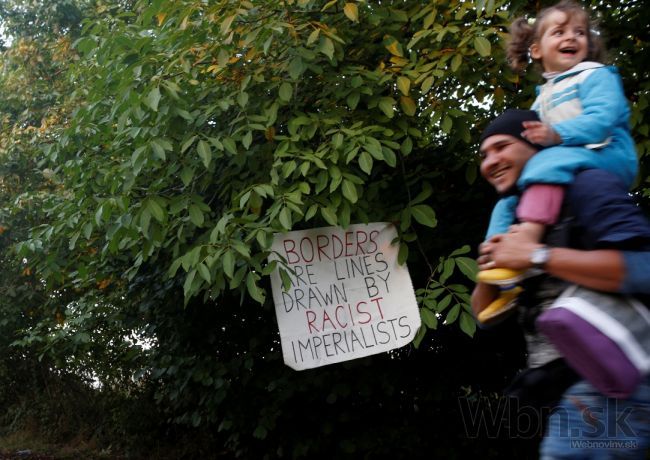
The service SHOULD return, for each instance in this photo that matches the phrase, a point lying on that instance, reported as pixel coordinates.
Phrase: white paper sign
(348, 298)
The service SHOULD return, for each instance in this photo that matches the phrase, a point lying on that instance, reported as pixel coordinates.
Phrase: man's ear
(535, 52)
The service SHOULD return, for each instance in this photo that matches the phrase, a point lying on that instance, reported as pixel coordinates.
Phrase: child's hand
(540, 133)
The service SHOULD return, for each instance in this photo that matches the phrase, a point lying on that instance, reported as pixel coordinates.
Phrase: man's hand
(508, 250)
(540, 133)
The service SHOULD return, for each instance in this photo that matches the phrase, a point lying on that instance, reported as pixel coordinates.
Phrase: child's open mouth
(570, 51)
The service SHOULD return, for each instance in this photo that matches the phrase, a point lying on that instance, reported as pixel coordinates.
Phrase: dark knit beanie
(511, 122)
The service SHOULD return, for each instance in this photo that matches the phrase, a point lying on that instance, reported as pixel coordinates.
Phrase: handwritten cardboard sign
(348, 297)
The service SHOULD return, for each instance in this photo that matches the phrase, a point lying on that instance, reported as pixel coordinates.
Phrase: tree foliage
(151, 151)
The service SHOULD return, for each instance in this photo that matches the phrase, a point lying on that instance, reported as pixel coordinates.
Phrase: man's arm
(602, 269)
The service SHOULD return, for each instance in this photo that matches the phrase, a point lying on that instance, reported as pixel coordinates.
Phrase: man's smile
(499, 172)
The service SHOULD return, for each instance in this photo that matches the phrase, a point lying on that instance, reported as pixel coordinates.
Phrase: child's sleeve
(604, 106)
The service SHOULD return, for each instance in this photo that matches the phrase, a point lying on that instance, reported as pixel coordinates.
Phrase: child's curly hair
(523, 34)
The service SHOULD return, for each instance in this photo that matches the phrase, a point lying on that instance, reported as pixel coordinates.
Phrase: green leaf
(204, 272)
(467, 324)
(205, 152)
(85, 45)
(230, 145)
(329, 4)
(188, 290)
(241, 248)
(405, 219)
(353, 99)
(145, 220)
(426, 85)
(456, 62)
(228, 263)
(156, 210)
(407, 145)
(285, 218)
(196, 215)
(349, 191)
(433, 294)
(174, 267)
(247, 140)
(313, 36)
(337, 141)
(153, 98)
(404, 85)
(424, 215)
(446, 124)
(187, 174)
(326, 47)
(387, 105)
(389, 157)
(286, 91)
(468, 267)
(373, 147)
(448, 269)
(187, 144)
(453, 314)
(403, 253)
(296, 68)
(483, 46)
(460, 251)
(419, 336)
(253, 290)
(99, 214)
(242, 99)
(329, 215)
(489, 8)
(185, 114)
(365, 162)
(87, 230)
(158, 149)
(286, 279)
(311, 212)
(429, 318)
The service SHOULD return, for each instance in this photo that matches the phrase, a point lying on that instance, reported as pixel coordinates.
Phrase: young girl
(584, 125)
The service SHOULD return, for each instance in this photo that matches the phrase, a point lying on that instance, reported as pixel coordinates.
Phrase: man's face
(502, 159)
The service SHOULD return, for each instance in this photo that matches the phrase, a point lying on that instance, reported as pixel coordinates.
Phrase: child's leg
(559, 164)
(540, 205)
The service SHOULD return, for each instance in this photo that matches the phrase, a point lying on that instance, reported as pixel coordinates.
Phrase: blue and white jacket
(585, 105)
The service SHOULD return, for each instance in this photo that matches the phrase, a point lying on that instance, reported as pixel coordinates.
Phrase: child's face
(564, 42)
